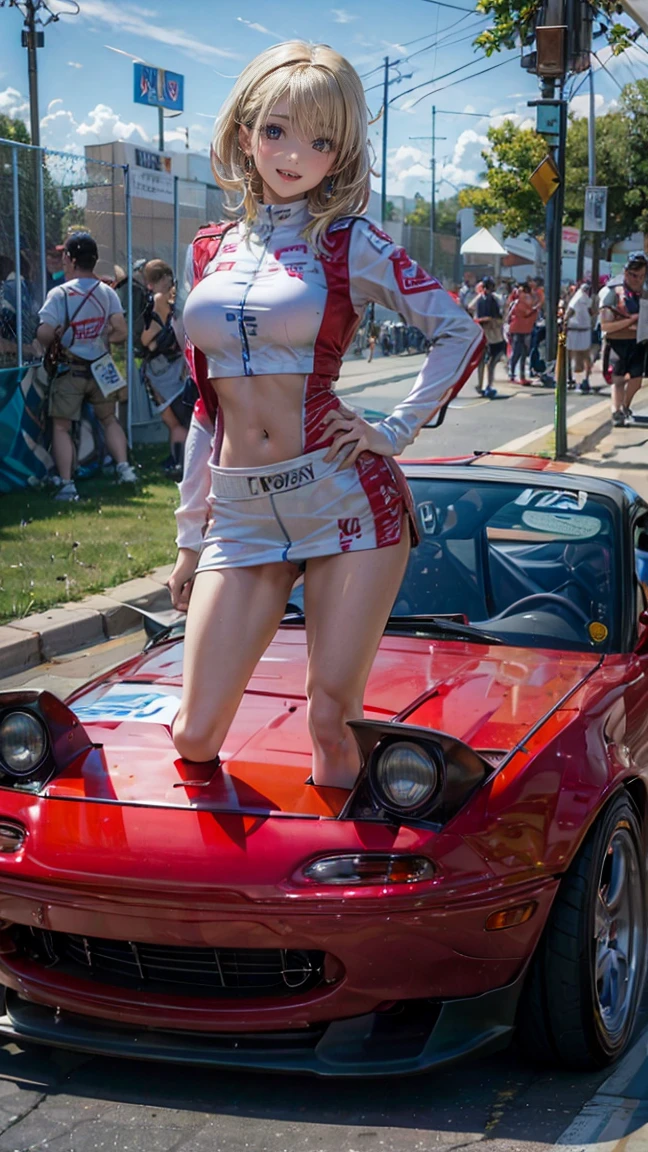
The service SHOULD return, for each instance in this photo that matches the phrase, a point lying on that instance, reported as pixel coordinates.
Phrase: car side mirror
(641, 647)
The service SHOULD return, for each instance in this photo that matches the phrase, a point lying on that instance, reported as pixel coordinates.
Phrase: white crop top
(269, 303)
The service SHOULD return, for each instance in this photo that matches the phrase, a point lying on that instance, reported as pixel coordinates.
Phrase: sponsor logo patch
(281, 481)
(410, 277)
(350, 529)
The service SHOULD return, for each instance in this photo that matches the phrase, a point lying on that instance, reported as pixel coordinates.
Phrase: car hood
(489, 697)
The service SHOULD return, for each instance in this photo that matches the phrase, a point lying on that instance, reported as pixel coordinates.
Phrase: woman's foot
(619, 418)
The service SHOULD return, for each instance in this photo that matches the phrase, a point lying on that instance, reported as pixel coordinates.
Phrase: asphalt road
(472, 423)
(67, 1103)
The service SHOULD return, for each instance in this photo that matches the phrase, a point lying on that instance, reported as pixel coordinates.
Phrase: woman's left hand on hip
(353, 435)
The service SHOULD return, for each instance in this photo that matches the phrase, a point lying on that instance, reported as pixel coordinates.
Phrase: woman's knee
(327, 714)
(196, 738)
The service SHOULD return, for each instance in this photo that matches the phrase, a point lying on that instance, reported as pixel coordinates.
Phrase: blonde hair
(325, 98)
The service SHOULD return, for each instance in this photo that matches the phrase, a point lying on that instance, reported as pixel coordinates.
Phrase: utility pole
(433, 138)
(32, 40)
(563, 34)
(383, 180)
(161, 128)
(33, 37)
(596, 243)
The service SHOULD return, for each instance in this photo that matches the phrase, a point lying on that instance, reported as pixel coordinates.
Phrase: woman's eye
(323, 145)
(273, 131)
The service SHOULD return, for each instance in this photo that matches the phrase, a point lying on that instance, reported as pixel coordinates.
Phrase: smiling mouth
(288, 175)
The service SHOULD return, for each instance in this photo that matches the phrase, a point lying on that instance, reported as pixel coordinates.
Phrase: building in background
(158, 180)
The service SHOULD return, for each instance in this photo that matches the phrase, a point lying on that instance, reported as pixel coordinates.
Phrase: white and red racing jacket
(262, 300)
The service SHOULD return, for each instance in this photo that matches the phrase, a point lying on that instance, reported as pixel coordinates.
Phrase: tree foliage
(622, 166)
(446, 214)
(513, 21)
(508, 198)
(28, 160)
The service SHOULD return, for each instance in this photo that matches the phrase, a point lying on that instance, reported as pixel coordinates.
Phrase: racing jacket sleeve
(193, 513)
(382, 272)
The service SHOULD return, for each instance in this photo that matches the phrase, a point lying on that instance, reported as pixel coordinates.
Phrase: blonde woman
(279, 475)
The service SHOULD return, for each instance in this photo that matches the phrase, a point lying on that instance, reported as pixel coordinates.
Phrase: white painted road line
(529, 437)
(607, 1119)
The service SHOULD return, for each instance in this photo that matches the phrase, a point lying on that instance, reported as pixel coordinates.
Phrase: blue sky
(86, 86)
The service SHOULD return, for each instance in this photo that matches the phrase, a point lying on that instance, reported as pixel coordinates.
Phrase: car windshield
(534, 566)
(525, 565)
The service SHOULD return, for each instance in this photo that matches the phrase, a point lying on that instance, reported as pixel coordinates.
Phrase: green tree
(611, 163)
(420, 214)
(11, 129)
(508, 198)
(445, 214)
(15, 129)
(514, 20)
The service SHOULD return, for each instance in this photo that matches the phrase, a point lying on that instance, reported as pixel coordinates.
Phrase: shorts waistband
(248, 483)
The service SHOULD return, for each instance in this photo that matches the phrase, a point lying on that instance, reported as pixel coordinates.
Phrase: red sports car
(486, 875)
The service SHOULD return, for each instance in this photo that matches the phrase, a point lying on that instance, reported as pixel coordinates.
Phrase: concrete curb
(45, 635)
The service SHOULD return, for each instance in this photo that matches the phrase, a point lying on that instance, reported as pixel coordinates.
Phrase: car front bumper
(414, 1037)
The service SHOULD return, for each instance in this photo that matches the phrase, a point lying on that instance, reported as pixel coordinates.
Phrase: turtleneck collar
(294, 214)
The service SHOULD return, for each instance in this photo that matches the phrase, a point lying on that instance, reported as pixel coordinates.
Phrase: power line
(461, 80)
(453, 72)
(442, 4)
(438, 38)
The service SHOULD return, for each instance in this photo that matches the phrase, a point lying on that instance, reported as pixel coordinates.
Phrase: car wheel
(581, 999)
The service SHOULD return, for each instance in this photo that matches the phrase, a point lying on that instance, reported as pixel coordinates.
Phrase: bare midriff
(262, 419)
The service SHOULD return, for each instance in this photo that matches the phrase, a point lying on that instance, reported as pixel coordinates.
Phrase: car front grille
(215, 972)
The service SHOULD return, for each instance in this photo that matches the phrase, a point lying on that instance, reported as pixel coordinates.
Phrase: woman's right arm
(193, 513)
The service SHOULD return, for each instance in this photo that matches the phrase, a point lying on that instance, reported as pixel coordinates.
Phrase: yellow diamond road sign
(545, 179)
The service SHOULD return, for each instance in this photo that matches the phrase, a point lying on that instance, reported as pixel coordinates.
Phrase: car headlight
(23, 743)
(405, 777)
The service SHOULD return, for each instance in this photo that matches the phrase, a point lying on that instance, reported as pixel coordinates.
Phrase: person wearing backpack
(81, 318)
(164, 368)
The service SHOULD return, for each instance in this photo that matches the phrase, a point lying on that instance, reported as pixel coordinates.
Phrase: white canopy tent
(483, 243)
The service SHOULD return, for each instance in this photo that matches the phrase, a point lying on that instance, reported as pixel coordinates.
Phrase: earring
(248, 165)
(329, 191)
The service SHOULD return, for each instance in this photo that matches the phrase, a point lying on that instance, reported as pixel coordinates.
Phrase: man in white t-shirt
(87, 314)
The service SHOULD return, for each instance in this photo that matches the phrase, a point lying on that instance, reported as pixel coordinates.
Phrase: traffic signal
(563, 39)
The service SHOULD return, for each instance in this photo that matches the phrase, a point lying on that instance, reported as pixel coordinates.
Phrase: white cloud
(258, 28)
(129, 19)
(341, 16)
(579, 106)
(408, 171)
(74, 64)
(52, 103)
(14, 104)
(106, 125)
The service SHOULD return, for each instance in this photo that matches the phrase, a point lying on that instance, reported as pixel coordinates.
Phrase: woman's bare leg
(233, 615)
(347, 599)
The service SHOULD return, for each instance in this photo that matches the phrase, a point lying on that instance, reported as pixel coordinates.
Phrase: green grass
(51, 553)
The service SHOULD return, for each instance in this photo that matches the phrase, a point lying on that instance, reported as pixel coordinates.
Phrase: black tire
(566, 1016)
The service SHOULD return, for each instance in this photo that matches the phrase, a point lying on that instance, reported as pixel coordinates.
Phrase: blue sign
(158, 87)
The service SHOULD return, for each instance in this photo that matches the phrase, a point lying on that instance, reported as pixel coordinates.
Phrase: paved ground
(64, 1103)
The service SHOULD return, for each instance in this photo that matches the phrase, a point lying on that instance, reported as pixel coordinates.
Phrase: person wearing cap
(486, 310)
(619, 317)
(87, 315)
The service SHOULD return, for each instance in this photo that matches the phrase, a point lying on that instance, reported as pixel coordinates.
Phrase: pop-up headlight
(23, 743)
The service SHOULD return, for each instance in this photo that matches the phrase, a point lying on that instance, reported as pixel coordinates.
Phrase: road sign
(595, 209)
(570, 242)
(548, 120)
(546, 179)
(158, 87)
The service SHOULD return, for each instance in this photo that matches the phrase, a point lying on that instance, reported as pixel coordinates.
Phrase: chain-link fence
(444, 262)
(44, 196)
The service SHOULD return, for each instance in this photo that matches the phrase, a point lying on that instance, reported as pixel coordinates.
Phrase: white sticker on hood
(129, 702)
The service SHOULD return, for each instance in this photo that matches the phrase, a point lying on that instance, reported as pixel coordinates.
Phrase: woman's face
(289, 165)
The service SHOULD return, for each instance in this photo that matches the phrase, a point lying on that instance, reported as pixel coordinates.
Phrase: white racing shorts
(302, 508)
